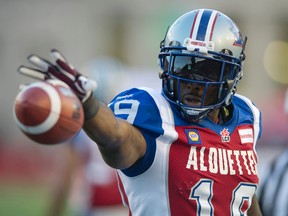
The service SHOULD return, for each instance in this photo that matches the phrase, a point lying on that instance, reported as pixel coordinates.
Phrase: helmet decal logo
(238, 40)
(225, 135)
(238, 37)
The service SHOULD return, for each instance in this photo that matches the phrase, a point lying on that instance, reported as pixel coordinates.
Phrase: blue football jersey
(187, 166)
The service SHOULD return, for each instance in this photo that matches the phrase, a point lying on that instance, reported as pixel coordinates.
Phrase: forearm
(120, 143)
(103, 127)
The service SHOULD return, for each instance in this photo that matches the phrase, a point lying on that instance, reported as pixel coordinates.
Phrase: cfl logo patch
(225, 135)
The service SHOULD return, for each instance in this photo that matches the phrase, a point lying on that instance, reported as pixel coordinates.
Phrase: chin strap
(193, 115)
(232, 89)
(232, 86)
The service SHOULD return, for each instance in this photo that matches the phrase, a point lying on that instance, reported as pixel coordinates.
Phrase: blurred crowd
(115, 45)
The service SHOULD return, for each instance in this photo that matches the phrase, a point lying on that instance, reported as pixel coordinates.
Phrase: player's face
(191, 94)
(200, 72)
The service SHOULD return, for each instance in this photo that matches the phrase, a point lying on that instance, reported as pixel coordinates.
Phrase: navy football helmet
(203, 47)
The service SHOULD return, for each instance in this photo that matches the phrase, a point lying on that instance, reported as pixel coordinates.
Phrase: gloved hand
(62, 70)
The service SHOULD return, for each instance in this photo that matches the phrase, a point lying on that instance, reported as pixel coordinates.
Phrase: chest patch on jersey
(193, 136)
(225, 135)
(246, 135)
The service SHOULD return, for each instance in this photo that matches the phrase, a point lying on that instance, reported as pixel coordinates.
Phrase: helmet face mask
(212, 67)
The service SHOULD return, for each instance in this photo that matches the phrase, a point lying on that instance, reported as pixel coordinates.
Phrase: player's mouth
(192, 100)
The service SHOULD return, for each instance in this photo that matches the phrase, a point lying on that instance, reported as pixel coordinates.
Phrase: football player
(189, 150)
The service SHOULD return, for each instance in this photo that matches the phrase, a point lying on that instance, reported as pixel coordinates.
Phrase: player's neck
(214, 116)
(220, 116)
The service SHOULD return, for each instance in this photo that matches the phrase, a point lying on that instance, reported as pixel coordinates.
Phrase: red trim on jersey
(122, 191)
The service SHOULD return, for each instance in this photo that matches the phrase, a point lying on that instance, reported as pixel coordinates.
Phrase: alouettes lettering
(222, 161)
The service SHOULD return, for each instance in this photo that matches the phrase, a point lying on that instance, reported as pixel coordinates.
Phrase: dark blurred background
(129, 32)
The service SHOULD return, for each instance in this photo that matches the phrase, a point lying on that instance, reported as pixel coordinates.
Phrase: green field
(24, 200)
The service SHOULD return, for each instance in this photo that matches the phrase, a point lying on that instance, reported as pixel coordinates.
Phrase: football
(48, 112)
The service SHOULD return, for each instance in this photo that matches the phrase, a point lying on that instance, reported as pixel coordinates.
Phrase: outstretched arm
(120, 143)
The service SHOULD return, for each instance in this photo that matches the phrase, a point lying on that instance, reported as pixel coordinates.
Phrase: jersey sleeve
(250, 113)
(139, 108)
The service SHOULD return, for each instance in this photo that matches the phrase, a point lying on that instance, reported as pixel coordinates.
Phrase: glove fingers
(43, 64)
(62, 70)
(56, 54)
(51, 69)
(63, 64)
(33, 73)
(90, 85)
(86, 84)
